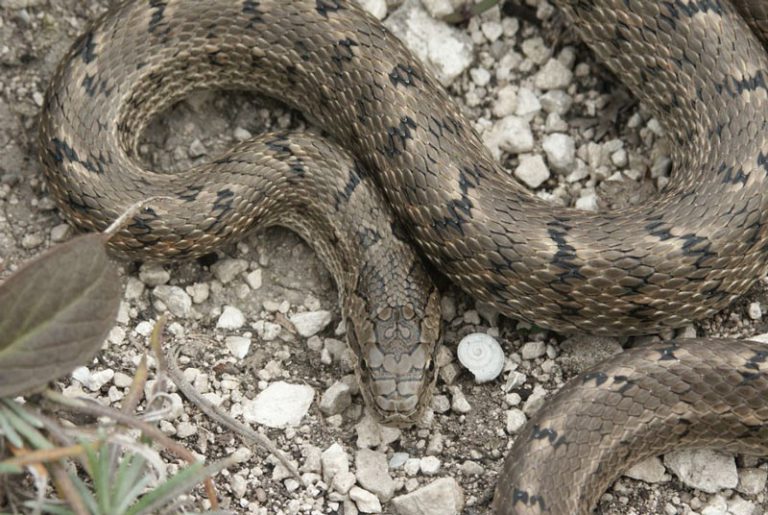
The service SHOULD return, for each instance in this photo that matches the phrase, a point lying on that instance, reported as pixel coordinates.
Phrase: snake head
(395, 345)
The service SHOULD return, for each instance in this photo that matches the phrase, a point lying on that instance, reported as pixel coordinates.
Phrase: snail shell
(482, 355)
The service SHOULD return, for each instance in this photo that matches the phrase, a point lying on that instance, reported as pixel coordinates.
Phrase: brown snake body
(683, 256)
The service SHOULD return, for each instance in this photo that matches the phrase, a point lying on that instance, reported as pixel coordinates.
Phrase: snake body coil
(681, 257)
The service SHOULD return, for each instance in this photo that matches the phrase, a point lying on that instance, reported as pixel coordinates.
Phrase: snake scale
(680, 257)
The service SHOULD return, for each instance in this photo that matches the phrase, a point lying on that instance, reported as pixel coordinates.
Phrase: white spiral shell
(482, 355)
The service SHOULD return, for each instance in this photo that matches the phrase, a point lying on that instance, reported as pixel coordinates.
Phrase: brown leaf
(55, 312)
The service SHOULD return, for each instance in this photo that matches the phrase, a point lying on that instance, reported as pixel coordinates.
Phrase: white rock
(254, 279)
(561, 151)
(267, 330)
(336, 399)
(230, 318)
(511, 134)
(366, 502)
(443, 496)
(438, 8)
(93, 380)
(533, 350)
(752, 481)
(343, 481)
(447, 50)
(398, 459)
(556, 101)
(516, 419)
(429, 465)
(755, 311)
(553, 75)
(199, 292)
(705, 469)
(492, 30)
(310, 323)
(373, 473)
(334, 460)
(535, 400)
(176, 300)
(739, 506)
(459, 403)
(153, 274)
(227, 269)
(378, 8)
(527, 103)
(60, 232)
(280, 405)
(532, 170)
(650, 470)
(372, 434)
(238, 346)
(588, 201)
(480, 76)
(185, 429)
(536, 50)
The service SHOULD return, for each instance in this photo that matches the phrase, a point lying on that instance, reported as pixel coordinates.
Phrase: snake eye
(364, 365)
(430, 366)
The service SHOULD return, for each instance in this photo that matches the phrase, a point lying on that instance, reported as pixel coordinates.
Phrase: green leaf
(55, 312)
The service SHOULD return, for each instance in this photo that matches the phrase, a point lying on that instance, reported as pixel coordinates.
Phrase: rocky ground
(262, 315)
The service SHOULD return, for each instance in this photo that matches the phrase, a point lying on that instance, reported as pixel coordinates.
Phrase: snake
(395, 179)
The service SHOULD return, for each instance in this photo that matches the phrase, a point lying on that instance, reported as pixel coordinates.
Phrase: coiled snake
(683, 256)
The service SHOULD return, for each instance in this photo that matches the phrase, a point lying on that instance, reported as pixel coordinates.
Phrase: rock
(553, 75)
(238, 346)
(443, 496)
(94, 381)
(334, 461)
(267, 330)
(471, 468)
(377, 8)
(254, 279)
(511, 134)
(751, 481)
(533, 350)
(459, 403)
(230, 318)
(280, 405)
(516, 419)
(175, 299)
(754, 311)
(561, 151)
(154, 275)
(311, 322)
(429, 465)
(506, 101)
(366, 502)
(532, 170)
(336, 398)
(650, 470)
(556, 101)
(527, 103)
(343, 482)
(535, 400)
(373, 473)
(705, 469)
(536, 50)
(372, 434)
(398, 459)
(447, 50)
(227, 269)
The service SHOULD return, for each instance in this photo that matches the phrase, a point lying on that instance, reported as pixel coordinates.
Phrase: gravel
(258, 325)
